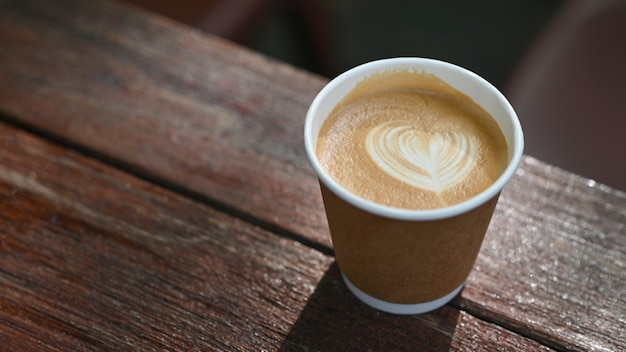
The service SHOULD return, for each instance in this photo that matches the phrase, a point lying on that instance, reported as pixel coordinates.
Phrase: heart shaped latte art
(431, 161)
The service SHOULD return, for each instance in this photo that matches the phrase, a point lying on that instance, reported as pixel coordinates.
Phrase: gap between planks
(171, 186)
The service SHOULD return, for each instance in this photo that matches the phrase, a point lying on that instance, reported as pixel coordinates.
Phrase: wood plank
(188, 104)
(92, 258)
(553, 263)
(225, 124)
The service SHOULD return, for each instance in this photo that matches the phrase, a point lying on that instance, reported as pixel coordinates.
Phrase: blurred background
(561, 63)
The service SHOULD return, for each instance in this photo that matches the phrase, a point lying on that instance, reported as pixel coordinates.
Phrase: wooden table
(154, 195)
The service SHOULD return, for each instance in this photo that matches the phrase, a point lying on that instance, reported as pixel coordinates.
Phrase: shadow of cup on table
(335, 320)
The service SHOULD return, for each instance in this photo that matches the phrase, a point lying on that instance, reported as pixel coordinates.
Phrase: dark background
(328, 37)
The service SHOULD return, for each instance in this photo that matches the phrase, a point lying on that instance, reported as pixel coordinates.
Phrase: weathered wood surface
(223, 126)
(553, 264)
(113, 81)
(92, 258)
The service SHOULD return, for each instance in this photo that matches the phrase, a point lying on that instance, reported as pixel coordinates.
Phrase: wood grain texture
(92, 258)
(208, 118)
(553, 264)
(111, 81)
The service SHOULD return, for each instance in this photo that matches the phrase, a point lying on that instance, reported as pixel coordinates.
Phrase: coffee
(392, 146)
(406, 139)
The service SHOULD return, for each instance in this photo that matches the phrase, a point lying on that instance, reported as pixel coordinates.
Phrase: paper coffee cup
(409, 261)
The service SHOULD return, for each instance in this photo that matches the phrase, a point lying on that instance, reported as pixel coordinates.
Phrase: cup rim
(402, 213)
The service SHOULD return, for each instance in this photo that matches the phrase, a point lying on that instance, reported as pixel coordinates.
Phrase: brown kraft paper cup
(409, 261)
(434, 256)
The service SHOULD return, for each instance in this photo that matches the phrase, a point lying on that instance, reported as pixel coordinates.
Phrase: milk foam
(408, 140)
(431, 161)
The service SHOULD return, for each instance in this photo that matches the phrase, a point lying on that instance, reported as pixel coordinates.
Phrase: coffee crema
(407, 139)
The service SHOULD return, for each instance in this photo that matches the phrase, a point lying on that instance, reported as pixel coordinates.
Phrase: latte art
(431, 161)
(408, 140)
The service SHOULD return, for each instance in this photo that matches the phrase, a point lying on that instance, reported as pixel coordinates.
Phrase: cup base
(401, 309)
